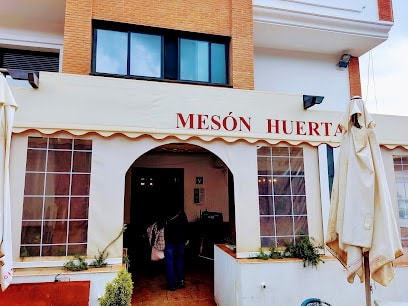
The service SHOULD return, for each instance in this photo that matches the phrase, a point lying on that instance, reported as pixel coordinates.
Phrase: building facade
(142, 105)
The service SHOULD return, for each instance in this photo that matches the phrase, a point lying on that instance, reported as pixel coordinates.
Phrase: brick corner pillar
(385, 12)
(77, 37)
(354, 77)
(242, 46)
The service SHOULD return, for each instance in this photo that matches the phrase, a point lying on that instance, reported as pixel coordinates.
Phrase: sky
(384, 70)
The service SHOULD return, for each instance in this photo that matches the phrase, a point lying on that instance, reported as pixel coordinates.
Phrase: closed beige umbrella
(362, 226)
(7, 109)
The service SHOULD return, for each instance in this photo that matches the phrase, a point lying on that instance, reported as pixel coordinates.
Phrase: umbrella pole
(367, 279)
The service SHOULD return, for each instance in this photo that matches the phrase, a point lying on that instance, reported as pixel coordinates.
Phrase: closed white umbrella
(7, 108)
(362, 230)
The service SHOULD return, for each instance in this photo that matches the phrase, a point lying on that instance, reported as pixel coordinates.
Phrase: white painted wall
(45, 41)
(287, 282)
(302, 73)
(27, 39)
(345, 9)
(226, 274)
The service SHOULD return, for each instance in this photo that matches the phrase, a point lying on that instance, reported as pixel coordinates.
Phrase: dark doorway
(154, 191)
(151, 188)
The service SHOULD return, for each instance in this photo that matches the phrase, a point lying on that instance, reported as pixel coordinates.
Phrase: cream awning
(107, 106)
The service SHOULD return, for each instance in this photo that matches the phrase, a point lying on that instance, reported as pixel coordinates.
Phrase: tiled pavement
(199, 290)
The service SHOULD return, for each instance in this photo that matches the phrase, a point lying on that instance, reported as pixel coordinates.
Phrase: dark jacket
(175, 230)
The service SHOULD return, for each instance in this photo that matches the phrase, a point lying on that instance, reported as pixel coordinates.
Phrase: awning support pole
(367, 279)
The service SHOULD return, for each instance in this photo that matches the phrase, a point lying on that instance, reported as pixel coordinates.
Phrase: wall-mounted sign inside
(199, 195)
(199, 180)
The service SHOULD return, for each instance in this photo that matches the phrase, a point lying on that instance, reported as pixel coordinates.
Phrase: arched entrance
(188, 176)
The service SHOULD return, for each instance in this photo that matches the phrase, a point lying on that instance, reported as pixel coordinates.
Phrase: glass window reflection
(145, 55)
(218, 64)
(111, 52)
(194, 60)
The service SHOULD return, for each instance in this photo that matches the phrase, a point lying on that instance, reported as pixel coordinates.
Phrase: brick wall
(77, 37)
(385, 10)
(354, 77)
(242, 61)
(219, 17)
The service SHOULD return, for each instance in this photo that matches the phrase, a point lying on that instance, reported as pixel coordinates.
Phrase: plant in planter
(99, 261)
(231, 244)
(79, 263)
(119, 291)
(262, 255)
(275, 254)
(303, 249)
(76, 264)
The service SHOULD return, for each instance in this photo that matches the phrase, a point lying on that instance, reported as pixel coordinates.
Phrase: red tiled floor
(199, 290)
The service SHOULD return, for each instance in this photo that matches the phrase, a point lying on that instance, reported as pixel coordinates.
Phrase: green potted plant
(119, 291)
(303, 249)
(78, 263)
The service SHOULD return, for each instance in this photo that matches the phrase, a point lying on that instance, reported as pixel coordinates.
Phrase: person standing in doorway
(175, 237)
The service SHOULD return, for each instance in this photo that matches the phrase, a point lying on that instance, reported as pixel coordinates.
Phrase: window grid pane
(218, 64)
(282, 195)
(111, 52)
(145, 55)
(194, 60)
(401, 180)
(56, 197)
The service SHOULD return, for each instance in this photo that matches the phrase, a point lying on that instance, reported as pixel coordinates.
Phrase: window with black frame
(144, 52)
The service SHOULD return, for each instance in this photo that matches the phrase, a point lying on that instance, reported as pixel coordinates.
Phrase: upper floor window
(282, 195)
(56, 197)
(160, 54)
